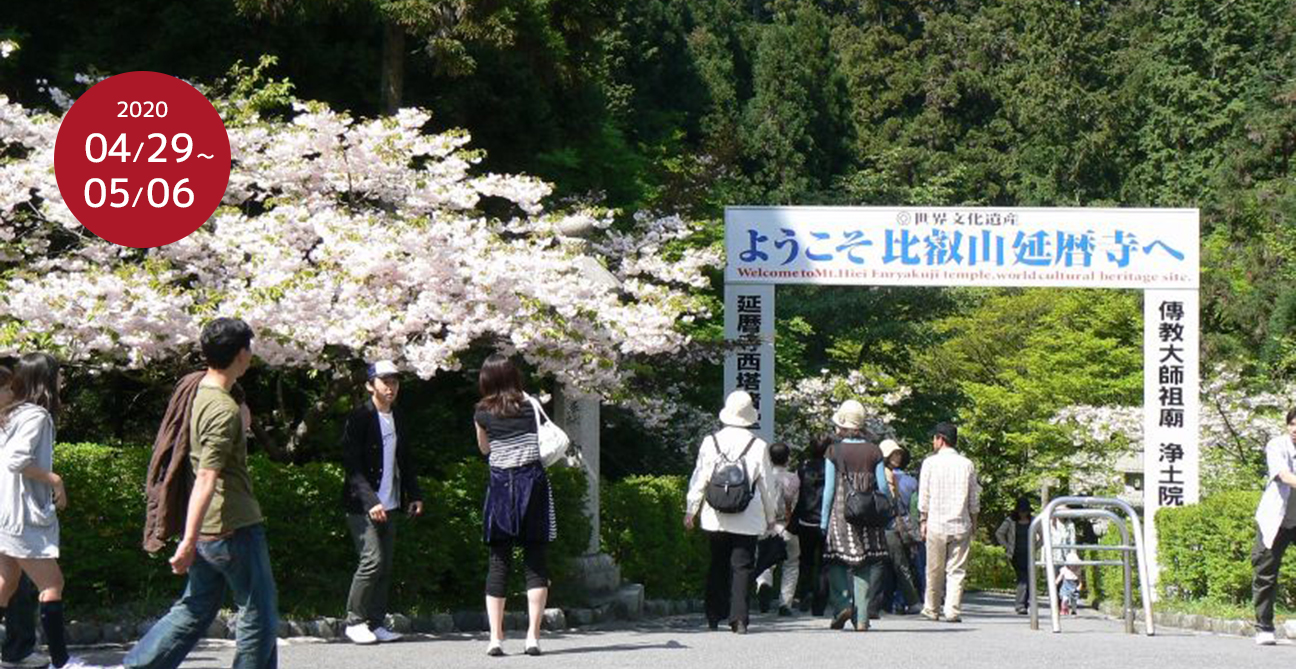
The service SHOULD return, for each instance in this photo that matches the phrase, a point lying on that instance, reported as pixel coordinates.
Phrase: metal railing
(1090, 507)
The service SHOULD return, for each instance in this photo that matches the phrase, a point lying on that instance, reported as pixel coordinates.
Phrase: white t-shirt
(386, 489)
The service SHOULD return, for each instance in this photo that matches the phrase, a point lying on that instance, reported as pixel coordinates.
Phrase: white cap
(383, 368)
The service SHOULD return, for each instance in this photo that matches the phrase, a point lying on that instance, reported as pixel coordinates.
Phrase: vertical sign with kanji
(1170, 405)
(749, 362)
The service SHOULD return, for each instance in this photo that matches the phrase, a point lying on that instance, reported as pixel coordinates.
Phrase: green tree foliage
(1015, 358)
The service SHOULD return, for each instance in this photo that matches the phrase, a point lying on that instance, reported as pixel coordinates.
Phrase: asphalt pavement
(991, 636)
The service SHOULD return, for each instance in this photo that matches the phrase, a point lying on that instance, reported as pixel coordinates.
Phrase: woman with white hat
(902, 533)
(737, 456)
(855, 554)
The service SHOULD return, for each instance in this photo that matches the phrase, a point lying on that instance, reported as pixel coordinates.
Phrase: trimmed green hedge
(643, 530)
(989, 568)
(440, 559)
(1205, 550)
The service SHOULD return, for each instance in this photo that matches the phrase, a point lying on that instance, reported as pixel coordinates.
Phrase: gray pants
(367, 602)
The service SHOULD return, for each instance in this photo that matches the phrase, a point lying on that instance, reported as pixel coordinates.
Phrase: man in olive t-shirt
(224, 544)
(219, 442)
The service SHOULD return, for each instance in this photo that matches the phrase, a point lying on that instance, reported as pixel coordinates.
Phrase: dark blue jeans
(242, 562)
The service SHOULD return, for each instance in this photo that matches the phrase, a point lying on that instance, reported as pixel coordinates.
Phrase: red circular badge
(142, 159)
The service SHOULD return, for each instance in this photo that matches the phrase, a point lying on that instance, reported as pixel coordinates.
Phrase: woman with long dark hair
(31, 495)
(519, 507)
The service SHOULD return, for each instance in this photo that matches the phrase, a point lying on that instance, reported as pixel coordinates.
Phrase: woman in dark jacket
(812, 586)
(519, 507)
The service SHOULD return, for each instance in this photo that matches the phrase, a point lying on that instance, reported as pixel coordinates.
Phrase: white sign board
(1154, 250)
(1170, 405)
(749, 362)
(963, 246)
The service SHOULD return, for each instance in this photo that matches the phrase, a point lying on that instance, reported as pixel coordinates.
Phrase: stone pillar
(578, 414)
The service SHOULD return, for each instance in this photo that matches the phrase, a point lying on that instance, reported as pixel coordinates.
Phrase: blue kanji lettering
(818, 257)
(1069, 245)
(1032, 249)
(988, 248)
(942, 248)
(1175, 254)
(753, 252)
(906, 254)
(854, 240)
(1124, 242)
(789, 239)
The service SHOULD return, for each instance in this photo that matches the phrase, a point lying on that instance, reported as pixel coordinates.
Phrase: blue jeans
(851, 587)
(241, 561)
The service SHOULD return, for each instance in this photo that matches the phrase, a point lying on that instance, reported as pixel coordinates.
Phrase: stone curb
(81, 633)
(1200, 623)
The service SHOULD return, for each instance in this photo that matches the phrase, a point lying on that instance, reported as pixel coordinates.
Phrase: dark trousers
(535, 566)
(1022, 600)
(374, 542)
(813, 583)
(733, 559)
(897, 574)
(20, 622)
(1264, 587)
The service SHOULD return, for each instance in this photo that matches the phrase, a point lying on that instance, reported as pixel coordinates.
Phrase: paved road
(992, 637)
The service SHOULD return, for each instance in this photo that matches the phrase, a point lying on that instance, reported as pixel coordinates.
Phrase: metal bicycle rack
(1090, 507)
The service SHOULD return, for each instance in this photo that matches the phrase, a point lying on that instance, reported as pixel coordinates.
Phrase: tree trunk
(393, 67)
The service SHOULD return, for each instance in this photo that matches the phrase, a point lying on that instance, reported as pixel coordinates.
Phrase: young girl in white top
(31, 495)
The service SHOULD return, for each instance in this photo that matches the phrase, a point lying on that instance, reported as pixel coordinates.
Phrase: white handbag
(553, 441)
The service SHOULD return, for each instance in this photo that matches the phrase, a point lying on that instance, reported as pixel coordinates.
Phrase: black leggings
(534, 565)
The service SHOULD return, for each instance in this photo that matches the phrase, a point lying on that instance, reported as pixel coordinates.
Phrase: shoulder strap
(747, 448)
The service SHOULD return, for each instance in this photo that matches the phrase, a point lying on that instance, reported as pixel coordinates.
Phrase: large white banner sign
(963, 246)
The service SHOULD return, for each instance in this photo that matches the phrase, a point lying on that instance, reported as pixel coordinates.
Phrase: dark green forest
(687, 106)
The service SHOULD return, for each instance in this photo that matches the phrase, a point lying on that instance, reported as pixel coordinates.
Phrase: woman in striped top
(519, 502)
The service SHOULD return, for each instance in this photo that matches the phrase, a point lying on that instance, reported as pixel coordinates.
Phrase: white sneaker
(360, 634)
(387, 636)
(1265, 639)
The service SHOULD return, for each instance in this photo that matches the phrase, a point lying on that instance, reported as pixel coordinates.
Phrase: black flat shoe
(843, 616)
(495, 651)
(533, 651)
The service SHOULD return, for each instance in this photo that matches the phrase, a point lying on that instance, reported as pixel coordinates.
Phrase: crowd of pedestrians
(200, 491)
(848, 533)
(860, 535)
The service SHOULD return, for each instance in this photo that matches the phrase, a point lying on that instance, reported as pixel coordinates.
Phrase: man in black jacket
(381, 480)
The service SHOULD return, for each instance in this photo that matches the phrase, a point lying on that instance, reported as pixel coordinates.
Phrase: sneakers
(361, 635)
(32, 660)
(930, 615)
(387, 636)
(1264, 638)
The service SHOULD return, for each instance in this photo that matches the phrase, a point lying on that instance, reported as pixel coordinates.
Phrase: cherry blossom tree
(341, 240)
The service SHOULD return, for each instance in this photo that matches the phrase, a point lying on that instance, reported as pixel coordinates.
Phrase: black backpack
(730, 490)
(868, 507)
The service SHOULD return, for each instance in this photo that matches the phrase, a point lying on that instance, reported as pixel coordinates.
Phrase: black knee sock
(51, 615)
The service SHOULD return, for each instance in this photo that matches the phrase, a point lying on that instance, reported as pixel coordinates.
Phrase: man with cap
(732, 534)
(948, 501)
(380, 481)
